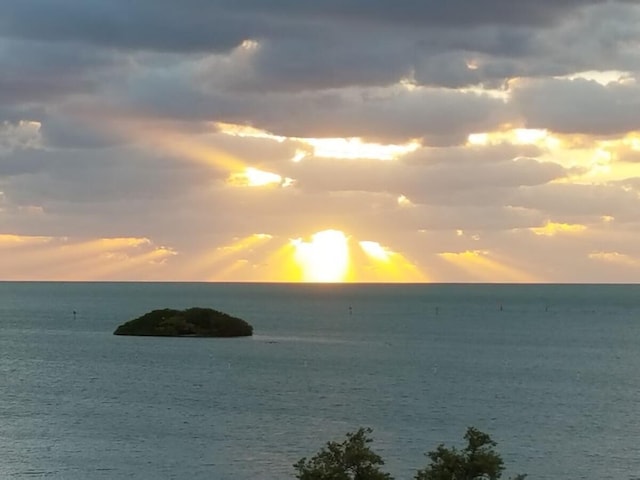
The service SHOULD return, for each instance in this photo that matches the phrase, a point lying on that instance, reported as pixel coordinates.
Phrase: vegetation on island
(192, 322)
(353, 459)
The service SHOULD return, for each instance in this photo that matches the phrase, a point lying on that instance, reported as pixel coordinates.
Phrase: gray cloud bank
(387, 71)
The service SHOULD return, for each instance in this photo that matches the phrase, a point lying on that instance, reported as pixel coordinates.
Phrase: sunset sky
(320, 140)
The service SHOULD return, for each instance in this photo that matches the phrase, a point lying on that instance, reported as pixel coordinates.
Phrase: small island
(192, 322)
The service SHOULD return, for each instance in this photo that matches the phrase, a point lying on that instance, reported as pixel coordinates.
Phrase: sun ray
(281, 265)
(61, 258)
(128, 263)
(228, 272)
(383, 264)
(485, 267)
(325, 256)
(157, 136)
(216, 259)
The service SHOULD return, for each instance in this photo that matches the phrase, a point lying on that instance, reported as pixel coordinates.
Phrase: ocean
(551, 372)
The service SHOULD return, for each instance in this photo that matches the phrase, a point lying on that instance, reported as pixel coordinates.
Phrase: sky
(320, 140)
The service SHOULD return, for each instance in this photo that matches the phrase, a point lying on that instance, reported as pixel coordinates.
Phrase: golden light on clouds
(516, 136)
(634, 141)
(61, 258)
(253, 177)
(9, 241)
(478, 139)
(530, 136)
(603, 77)
(552, 228)
(587, 158)
(245, 131)
(349, 148)
(404, 201)
(484, 267)
(615, 258)
(354, 148)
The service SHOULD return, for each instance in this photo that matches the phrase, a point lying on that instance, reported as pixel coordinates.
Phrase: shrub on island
(192, 322)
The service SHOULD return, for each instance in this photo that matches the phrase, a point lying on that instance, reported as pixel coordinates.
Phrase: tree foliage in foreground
(478, 460)
(353, 459)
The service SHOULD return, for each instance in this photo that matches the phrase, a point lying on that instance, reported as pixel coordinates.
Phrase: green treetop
(353, 459)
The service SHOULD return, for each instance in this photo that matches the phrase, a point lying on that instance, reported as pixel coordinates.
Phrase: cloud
(573, 202)
(578, 106)
(454, 181)
(194, 25)
(34, 71)
(18, 136)
(222, 24)
(126, 120)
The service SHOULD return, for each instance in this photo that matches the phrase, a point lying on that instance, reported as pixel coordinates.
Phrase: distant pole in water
(500, 307)
(74, 314)
(350, 310)
(437, 310)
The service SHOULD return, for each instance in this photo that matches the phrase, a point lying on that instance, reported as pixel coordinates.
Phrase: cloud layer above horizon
(458, 141)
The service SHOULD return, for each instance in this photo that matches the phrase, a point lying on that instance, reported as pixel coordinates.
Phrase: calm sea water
(552, 372)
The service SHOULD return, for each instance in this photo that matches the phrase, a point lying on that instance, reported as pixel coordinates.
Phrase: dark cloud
(388, 116)
(94, 176)
(68, 132)
(131, 25)
(578, 106)
(33, 72)
(340, 59)
(419, 12)
(395, 114)
(311, 44)
(220, 25)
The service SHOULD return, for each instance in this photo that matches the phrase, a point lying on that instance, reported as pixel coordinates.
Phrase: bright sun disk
(323, 259)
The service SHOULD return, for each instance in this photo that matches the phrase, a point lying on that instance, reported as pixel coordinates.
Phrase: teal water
(552, 372)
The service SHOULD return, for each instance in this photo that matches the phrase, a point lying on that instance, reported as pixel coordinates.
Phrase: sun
(325, 258)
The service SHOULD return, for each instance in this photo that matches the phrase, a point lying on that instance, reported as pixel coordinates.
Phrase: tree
(351, 459)
(478, 460)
